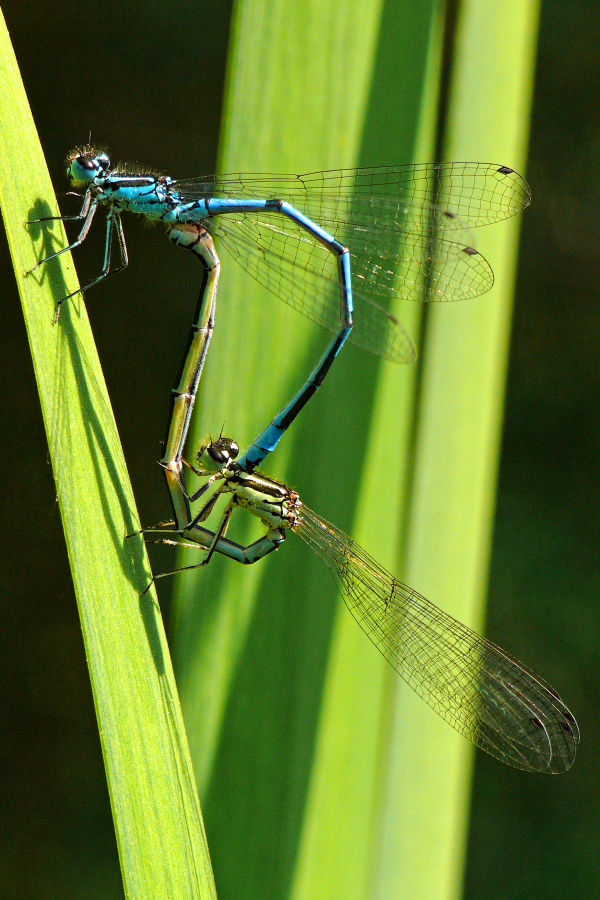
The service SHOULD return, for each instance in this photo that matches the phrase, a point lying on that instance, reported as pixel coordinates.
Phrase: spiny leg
(82, 214)
(87, 213)
(208, 507)
(220, 533)
(112, 218)
(245, 554)
(198, 240)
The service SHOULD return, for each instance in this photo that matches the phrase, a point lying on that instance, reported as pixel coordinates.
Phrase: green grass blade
(244, 384)
(456, 456)
(158, 823)
(323, 776)
(358, 722)
(309, 88)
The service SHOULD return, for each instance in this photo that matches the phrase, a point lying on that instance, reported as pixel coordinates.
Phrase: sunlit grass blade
(320, 772)
(309, 89)
(456, 455)
(158, 823)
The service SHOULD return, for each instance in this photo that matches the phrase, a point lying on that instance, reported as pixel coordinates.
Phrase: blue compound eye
(84, 169)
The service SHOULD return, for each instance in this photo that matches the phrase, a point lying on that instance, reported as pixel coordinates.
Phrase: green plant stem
(157, 818)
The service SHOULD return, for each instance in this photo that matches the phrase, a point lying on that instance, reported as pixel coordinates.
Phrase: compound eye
(83, 168)
(216, 455)
(84, 163)
(211, 459)
(234, 450)
(103, 161)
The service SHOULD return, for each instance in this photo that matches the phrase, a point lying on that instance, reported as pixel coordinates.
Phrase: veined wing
(383, 199)
(303, 274)
(286, 260)
(484, 693)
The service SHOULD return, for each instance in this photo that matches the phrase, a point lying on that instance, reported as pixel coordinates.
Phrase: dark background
(100, 65)
(528, 840)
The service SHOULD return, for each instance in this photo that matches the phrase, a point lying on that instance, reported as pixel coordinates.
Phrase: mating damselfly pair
(339, 246)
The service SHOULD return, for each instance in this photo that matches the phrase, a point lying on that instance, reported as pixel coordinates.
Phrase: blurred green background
(150, 84)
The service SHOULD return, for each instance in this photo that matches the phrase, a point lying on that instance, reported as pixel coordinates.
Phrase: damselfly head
(216, 455)
(86, 163)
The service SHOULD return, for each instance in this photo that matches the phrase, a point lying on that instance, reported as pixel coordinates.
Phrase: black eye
(233, 450)
(103, 161)
(216, 454)
(85, 163)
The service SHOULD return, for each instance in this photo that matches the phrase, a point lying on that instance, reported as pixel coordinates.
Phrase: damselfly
(388, 222)
(484, 693)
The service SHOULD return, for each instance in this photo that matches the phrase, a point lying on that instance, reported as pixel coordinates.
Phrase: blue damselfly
(299, 236)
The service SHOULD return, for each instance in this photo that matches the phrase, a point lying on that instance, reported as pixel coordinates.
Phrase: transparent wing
(286, 260)
(303, 274)
(392, 218)
(480, 690)
(384, 198)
